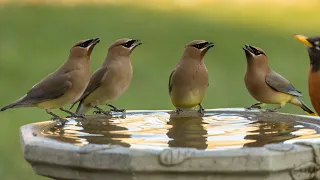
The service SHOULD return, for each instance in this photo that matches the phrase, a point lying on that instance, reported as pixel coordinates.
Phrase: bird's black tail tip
(305, 108)
(7, 107)
(308, 110)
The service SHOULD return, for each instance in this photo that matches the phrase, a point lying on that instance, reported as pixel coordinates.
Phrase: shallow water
(159, 131)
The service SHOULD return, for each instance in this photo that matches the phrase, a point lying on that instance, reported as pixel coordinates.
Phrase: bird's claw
(118, 110)
(115, 109)
(60, 121)
(252, 107)
(54, 118)
(96, 112)
(80, 116)
(102, 112)
(201, 110)
(270, 110)
(178, 110)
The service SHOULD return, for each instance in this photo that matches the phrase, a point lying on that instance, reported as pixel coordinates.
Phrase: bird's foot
(55, 117)
(81, 116)
(178, 110)
(101, 111)
(60, 121)
(118, 110)
(201, 110)
(107, 113)
(271, 110)
(115, 109)
(96, 112)
(253, 107)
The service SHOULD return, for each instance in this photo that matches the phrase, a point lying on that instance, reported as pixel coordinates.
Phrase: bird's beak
(209, 45)
(303, 39)
(247, 49)
(136, 43)
(93, 42)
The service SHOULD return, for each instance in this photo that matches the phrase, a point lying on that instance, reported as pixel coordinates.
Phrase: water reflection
(187, 132)
(100, 132)
(270, 132)
(160, 130)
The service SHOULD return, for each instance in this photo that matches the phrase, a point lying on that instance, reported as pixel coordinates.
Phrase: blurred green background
(35, 40)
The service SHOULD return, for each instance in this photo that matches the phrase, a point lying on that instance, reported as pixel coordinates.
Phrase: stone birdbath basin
(229, 144)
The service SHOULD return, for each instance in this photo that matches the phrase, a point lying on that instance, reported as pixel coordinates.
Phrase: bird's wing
(279, 83)
(170, 83)
(95, 82)
(50, 88)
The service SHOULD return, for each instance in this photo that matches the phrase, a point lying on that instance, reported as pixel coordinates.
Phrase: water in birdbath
(160, 130)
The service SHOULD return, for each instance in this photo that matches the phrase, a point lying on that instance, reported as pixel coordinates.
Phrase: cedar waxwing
(111, 80)
(313, 46)
(266, 86)
(65, 85)
(188, 82)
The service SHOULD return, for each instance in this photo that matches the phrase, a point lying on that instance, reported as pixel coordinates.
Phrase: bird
(267, 86)
(313, 47)
(64, 86)
(188, 82)
(111, 79)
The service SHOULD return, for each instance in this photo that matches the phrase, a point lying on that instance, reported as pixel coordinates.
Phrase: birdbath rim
(65, 161)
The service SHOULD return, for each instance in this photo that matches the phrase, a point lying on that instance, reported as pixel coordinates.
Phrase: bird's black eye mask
(201, 45)
(86, 43)
(128, 44)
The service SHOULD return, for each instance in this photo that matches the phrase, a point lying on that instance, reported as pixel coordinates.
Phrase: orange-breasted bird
(313, 47)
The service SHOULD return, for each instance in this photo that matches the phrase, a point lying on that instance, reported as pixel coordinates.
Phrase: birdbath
(229, 144)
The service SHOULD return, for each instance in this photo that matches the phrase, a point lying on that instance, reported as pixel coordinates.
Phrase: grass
(35, 40)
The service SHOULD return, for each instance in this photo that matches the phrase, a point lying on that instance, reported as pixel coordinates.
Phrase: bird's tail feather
(18, 103)
(305, 107)
(14, 105)
(82, 108)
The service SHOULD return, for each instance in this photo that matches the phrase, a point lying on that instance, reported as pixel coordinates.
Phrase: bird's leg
(275, 109)
(72, 114)
(201, 109)
(54, 116)
(254, 106)
(101, 111)
(115, 109)
(178, 110)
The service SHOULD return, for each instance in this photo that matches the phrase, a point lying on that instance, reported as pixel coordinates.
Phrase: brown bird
(65, 85)
(111, 80)
(313, 46)
(188, 82)
(266, 86)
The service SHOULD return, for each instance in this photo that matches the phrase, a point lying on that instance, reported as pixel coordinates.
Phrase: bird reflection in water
(187, 133)
(99, 131)
(161, 130)
(270, 132)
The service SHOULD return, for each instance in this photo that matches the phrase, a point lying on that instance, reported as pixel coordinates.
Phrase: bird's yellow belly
(102, 96)
(187, 100)
(273, 97)
(65, 99)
